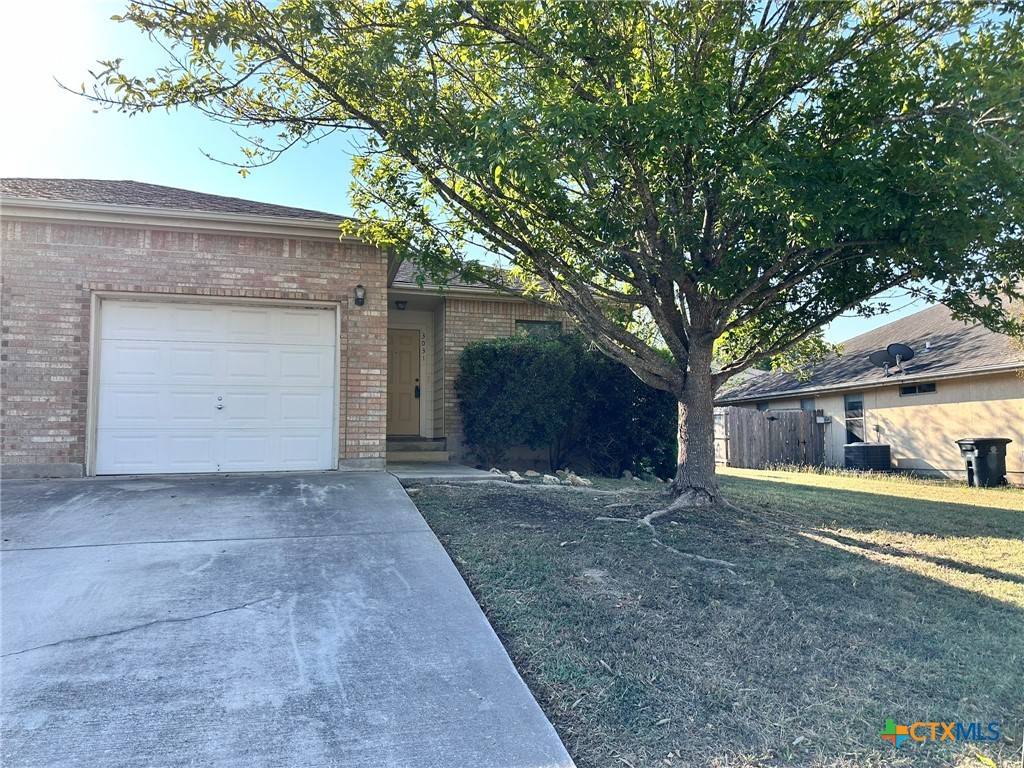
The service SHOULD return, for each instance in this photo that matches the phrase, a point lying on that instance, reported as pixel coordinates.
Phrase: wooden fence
(753, 439)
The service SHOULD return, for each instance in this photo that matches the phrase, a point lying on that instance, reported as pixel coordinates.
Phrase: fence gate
(753, 439)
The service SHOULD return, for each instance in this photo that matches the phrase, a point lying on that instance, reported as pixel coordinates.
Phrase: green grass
(852, 600)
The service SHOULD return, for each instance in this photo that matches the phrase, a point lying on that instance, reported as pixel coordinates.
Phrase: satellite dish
(882, 358)
(901, 352)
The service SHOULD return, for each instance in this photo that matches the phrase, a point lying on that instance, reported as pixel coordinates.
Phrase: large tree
(714, 178)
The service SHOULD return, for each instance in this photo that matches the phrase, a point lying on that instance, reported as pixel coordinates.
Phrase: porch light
(360, 295)
(401, 304)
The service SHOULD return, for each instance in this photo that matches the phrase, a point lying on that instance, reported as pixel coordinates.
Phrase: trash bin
(986, 460)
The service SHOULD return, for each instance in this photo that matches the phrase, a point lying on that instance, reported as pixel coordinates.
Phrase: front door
(403, 382)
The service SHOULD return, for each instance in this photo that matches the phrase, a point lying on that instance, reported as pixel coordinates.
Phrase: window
(854, 418)
(539, 329)
(807, 404)
(918, 389)
(763, 405)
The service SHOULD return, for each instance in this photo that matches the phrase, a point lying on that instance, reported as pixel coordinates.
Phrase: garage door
(214, 388)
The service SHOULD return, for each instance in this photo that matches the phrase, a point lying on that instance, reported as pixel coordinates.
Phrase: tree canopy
(704, 176)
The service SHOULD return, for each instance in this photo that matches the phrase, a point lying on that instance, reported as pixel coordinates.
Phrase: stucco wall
(922, 428)
(51, 270)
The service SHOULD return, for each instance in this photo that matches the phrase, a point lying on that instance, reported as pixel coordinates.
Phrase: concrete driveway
(273, 620)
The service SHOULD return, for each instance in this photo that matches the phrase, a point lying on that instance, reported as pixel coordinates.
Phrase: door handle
(220, 406)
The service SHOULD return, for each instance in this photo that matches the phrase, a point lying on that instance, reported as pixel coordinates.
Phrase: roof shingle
(406, 277)
(142, 195)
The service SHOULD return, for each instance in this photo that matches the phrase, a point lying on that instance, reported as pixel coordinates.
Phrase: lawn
(837, 603)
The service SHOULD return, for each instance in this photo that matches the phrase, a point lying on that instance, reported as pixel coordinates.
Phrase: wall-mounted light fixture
(360, 295)
(401, 304)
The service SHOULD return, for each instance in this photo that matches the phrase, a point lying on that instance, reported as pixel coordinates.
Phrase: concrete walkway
(274, 620)
(413, 472)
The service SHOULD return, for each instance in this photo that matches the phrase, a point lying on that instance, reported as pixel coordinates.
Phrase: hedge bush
(625, 424)
(514, 392)
(554, 393)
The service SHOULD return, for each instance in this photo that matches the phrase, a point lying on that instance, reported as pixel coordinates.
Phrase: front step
(414, 443)
(415, 448)
(421, 456)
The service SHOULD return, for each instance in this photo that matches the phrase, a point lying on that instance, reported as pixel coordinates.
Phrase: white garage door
(214, 388)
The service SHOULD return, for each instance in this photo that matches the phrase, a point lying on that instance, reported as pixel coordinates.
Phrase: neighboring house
(964, 381)
(147, 329)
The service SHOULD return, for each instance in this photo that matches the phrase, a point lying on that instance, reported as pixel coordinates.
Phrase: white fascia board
(142, 217)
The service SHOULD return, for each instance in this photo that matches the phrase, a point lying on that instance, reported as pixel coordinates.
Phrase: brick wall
(50, 272)
(467, 320)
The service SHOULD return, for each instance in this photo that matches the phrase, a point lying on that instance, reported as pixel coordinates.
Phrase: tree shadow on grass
(818, 507)
(845, 638)
(861, 632)
(943, 562)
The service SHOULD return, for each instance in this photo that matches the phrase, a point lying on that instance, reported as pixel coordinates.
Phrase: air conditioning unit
(876, 456)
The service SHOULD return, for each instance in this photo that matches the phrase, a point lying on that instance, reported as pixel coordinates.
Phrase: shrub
(554, 393)
(516, 391)
(625, 423)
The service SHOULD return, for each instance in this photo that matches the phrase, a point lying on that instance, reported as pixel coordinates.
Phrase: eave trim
(144, 217)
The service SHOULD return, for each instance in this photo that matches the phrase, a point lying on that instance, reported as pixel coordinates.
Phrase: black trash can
(986, 460)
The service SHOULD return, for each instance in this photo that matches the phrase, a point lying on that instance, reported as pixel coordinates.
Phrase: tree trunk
(695, 483)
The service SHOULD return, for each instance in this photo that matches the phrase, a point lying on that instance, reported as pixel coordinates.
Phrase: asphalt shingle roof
(142, 195)
(955, 348)
(407, 274)
(406, 277)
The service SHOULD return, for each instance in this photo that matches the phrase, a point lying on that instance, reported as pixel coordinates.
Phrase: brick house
(147, 329)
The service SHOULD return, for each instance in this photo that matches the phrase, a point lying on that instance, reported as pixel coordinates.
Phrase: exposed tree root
(699, 558)
(703, 499)
(734, 508)
(648, 519)
(692, 498)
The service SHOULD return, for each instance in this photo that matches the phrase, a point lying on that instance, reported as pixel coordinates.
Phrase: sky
(47, 132)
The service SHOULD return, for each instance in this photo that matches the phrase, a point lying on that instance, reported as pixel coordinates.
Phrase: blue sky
(48, 132)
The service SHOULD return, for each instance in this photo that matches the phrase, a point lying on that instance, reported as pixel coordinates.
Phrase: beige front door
(403, 382)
